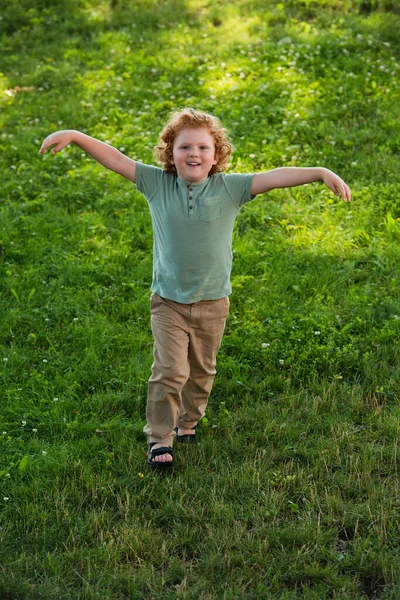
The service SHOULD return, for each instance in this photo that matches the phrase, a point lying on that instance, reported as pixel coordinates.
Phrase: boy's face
(194, 154)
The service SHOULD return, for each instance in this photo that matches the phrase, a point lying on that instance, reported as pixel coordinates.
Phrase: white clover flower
(317, 333)
(34, 430)
(45, 360)
(4, 432)
(265, 345)
(5, 499)
(44, 452)
(23, 423)
(281, 361)
(5, 359)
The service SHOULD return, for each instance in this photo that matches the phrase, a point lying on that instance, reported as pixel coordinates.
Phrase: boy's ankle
(188, 426)
(186, 431)
(159, 443)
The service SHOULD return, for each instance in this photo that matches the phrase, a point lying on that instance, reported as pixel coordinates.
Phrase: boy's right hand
(106, 155)
(59, 139)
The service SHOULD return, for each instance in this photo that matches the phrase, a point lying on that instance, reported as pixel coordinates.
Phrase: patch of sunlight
(6, 94)
(330, 240)
(99, 13)
(238, 29)
(229, 75)
(306, 33)
(333, 238)
(219, 85)
(195, 5)
(205, 39)
(310, 34)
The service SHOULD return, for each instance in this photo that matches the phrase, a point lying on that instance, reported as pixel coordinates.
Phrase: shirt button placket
(190, 203)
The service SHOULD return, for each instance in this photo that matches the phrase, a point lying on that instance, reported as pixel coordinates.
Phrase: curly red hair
(190, 118)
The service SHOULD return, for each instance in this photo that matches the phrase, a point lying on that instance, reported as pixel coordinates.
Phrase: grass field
(293, 489)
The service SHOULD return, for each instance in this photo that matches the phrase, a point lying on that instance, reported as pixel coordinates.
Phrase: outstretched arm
(293, 176)
(106, 155)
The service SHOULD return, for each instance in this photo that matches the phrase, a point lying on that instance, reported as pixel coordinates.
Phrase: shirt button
(190, 207)
(190, 189)
(190, 197)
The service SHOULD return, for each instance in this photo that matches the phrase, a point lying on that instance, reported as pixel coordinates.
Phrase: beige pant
(187, 338)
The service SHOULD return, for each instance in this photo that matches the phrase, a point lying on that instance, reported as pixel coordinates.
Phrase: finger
(57, 148)
(45, 145)
(346, 194)
(343, 190)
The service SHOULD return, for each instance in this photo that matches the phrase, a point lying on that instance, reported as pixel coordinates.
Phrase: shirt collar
(197, 186)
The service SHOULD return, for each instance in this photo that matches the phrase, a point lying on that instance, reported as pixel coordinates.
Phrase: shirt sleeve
(148, 179)
(239, 186)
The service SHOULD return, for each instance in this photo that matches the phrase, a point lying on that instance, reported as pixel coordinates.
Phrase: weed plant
(293, 489)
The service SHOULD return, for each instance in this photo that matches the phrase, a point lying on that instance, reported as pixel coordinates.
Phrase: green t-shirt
(192, 229)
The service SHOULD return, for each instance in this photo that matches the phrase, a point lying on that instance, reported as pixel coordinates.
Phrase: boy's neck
(186, 182)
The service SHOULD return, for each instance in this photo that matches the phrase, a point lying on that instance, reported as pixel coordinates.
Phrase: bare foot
(161, 457)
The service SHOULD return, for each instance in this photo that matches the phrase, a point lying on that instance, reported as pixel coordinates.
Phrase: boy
(193, 208)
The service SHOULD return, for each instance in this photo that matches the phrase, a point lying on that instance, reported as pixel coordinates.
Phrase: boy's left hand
(337, 185)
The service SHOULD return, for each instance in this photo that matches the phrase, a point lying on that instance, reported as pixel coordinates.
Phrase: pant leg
(207, 324)
(170, 369)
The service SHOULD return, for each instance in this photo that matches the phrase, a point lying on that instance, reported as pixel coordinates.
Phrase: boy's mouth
(193, 164)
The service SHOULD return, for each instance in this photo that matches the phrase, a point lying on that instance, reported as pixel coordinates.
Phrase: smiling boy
(193, 206)
(194, 155)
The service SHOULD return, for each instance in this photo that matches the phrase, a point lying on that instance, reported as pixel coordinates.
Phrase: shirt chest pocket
(209, 209)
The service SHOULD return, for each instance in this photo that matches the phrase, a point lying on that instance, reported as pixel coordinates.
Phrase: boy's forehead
(195, 135)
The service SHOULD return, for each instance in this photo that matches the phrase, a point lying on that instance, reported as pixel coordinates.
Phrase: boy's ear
(216, 158)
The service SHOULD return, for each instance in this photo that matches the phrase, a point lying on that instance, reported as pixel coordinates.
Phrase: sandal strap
(160, 451)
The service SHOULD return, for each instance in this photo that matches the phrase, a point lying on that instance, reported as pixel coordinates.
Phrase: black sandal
(158, 452)
(188, 438)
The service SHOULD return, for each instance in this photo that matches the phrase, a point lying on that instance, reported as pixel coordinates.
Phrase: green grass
(293, 489)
